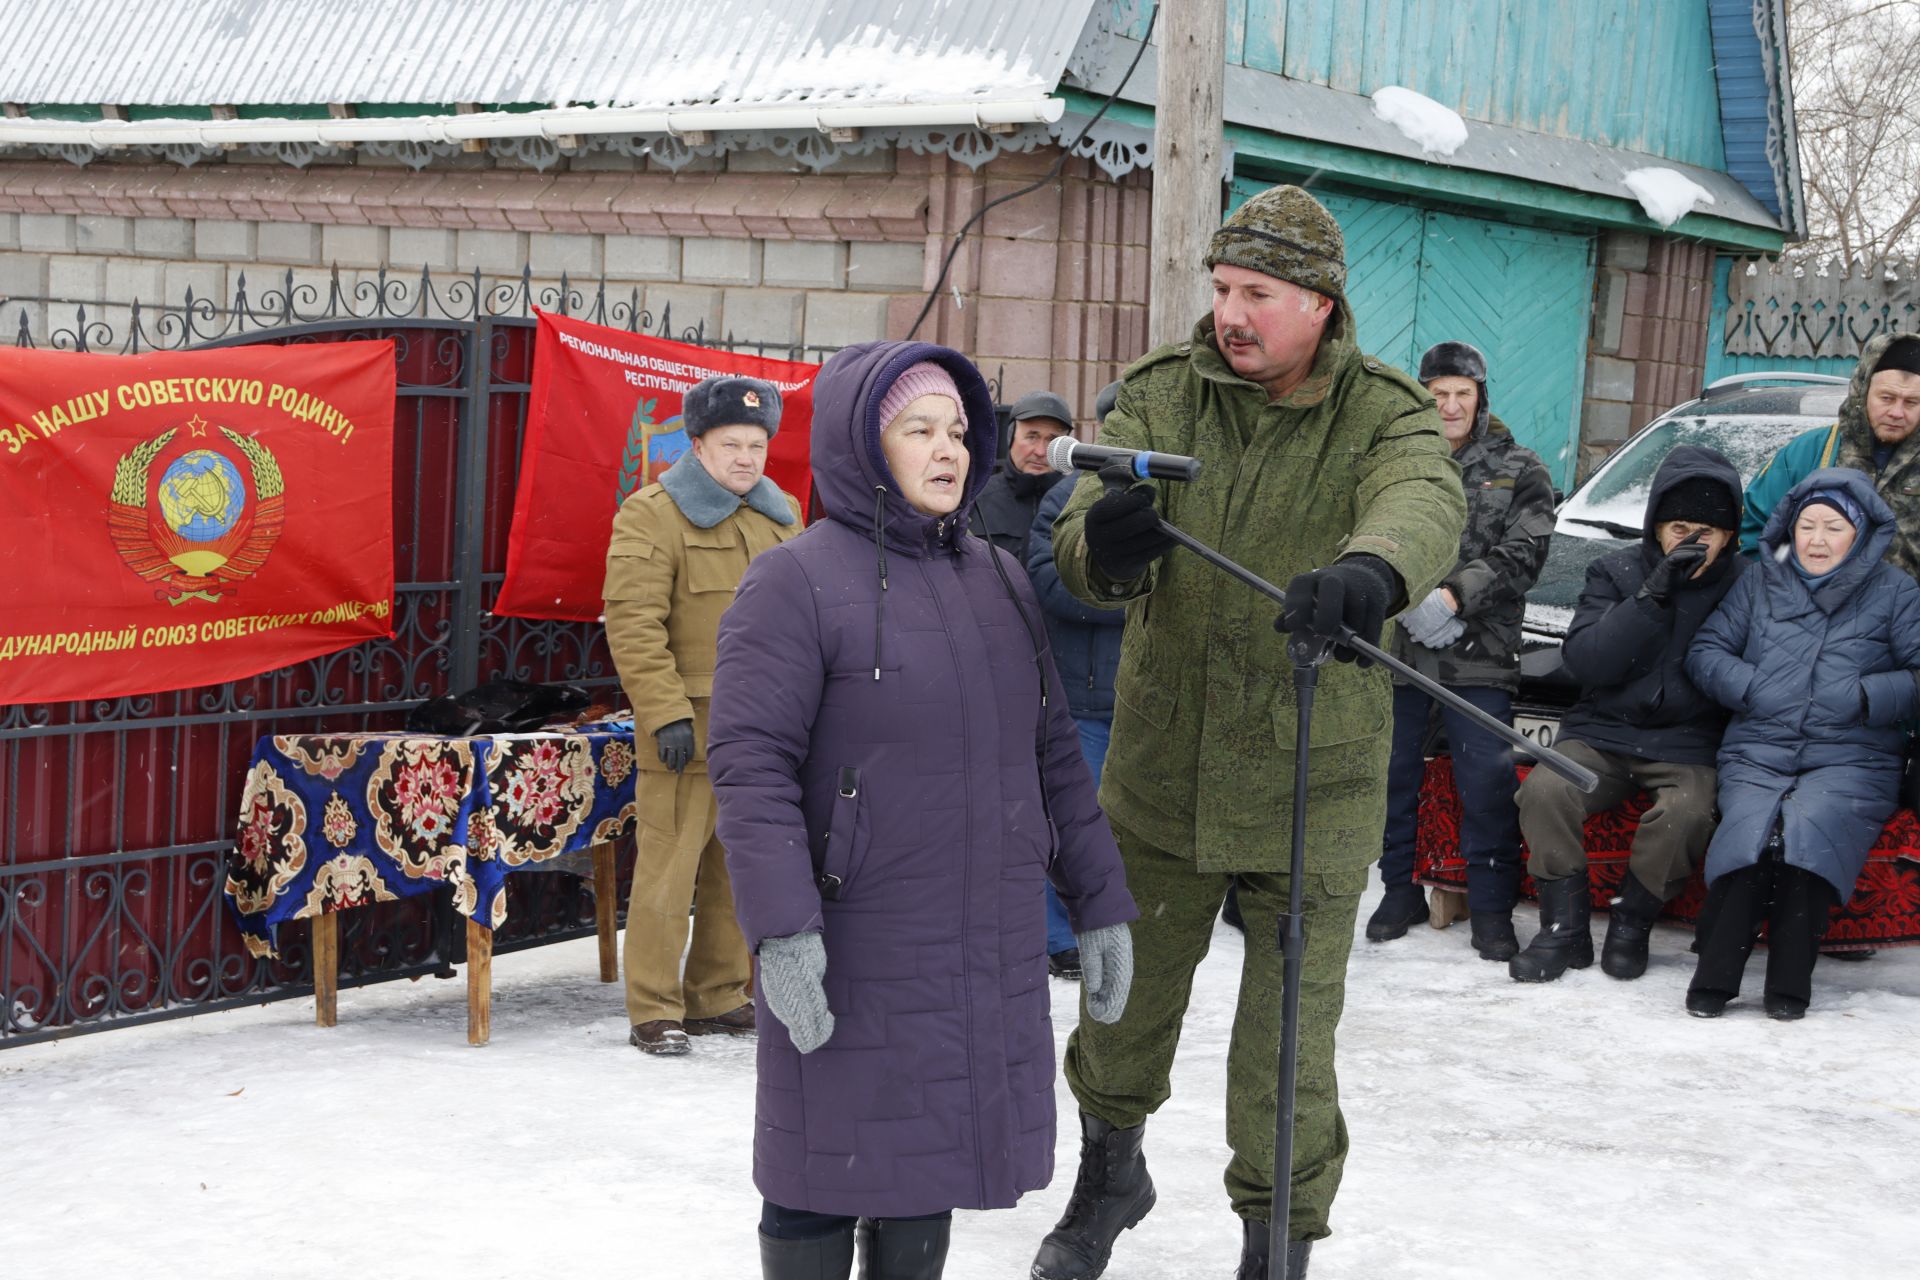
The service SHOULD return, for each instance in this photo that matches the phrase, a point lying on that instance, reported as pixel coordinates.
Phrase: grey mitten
(791, 973)
(1449, 633)
(1427, 621)
(1106, 970)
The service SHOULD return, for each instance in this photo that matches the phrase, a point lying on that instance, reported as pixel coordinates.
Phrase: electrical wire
(960, 236)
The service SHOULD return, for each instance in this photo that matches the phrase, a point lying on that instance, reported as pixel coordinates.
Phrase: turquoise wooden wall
(1637, 74)
(1522, 295)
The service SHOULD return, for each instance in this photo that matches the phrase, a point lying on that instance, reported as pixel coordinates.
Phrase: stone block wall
(1653, 301)
(1048, 291)
(767, 257)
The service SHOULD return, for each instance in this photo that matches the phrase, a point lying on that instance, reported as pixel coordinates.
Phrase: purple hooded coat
(889, 694)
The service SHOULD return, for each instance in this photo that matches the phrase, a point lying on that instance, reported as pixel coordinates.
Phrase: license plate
(1538, 730)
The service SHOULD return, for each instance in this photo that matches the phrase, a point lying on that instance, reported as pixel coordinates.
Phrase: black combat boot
(1563, 942)
(1111, 1192)
(904, 1248)
(1254, 1253)
(1624, 953)
(828, 1257)
(1404, 906)
(1493, 934)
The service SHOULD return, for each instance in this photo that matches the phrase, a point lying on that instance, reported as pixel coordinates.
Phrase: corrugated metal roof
(1302, 112)
(643, 53)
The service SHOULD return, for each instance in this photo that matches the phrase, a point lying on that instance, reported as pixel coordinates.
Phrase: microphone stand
(1308, 653)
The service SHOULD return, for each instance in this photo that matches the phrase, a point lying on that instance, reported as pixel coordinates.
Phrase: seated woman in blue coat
(1816, 654)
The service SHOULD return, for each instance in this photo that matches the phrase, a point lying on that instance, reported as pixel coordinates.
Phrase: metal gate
(116, 816)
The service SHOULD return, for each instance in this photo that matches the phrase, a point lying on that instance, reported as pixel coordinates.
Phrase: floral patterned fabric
(330, 822)
(1883, 912)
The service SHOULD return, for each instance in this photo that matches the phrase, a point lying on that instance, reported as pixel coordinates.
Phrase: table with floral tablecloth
(329, 822)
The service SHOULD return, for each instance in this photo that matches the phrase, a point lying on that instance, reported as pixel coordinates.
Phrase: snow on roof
(630, 53)
(1667, 196)
(1435, 129)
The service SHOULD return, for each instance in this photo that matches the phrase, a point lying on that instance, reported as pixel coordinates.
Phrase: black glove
(676, 744)
(1681, 563)
(1353, 591)
(1124, 534)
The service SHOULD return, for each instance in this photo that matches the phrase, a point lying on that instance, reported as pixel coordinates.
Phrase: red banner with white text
(190, 518)
(603, 420)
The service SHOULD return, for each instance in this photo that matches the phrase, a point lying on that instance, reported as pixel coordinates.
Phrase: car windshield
(1617, 496)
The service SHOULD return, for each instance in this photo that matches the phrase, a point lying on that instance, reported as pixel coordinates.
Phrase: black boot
(1111, 1192)
(1629, 925)
(1230, 909)
(1564, 941)
(1493, 935)
(903, 1248)
(1404, 906)
(1704, 1002)
(1729, 925)
(1254, 1253)
(828, 1257)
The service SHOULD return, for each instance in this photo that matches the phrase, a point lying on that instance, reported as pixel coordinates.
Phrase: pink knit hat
(923, 379)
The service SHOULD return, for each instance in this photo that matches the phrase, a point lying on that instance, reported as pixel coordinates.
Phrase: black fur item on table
(498, 706)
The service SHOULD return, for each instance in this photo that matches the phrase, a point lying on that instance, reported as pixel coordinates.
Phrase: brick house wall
(1049, 291)
(1653, 301)
(1052, 286)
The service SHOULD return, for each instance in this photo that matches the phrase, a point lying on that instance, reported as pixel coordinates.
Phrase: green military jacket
(1353, 460)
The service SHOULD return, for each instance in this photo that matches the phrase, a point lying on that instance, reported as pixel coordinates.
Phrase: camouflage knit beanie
(1285, 233)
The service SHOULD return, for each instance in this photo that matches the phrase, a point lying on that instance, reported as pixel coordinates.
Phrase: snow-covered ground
(1584, 1129)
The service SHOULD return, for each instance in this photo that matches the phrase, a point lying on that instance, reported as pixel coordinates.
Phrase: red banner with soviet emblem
(603, 420)
(192, 517)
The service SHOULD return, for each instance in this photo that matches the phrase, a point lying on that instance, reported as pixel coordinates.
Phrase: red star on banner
(197, 425)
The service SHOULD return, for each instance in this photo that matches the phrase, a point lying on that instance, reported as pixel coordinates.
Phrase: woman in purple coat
(892, 789)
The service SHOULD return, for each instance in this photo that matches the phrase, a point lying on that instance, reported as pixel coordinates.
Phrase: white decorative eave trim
(553, 124)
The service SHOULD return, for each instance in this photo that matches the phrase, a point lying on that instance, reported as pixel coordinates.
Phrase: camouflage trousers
(1120, 1073)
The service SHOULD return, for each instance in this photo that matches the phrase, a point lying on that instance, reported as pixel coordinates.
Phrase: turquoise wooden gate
(1522, 295)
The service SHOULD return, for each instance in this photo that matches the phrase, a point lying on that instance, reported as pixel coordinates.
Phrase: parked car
(1746, 417)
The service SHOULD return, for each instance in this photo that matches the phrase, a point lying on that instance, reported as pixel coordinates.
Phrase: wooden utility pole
(1187, 148)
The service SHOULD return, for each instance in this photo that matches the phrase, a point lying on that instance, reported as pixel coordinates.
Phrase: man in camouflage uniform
(1324, 469)
(1875, 434)
(1466, 635)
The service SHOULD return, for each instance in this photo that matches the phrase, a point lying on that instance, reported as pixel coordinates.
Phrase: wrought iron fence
(117, 815)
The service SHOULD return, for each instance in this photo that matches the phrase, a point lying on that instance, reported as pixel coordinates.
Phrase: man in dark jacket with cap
(1323, 469)
(1086, 651)
(1004, 513)
(1641, 723)
(1466, 635)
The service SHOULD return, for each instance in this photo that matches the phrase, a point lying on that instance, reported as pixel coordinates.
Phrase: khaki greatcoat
(668, 582)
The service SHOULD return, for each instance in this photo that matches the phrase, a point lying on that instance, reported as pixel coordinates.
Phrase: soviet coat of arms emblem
(195, 531)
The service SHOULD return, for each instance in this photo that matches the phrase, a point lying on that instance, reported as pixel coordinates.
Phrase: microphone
(1068, 454)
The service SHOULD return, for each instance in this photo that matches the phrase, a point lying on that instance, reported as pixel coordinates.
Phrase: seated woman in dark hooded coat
(1816, 654)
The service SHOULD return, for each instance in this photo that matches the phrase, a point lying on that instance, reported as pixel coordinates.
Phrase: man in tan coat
(679, 549)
